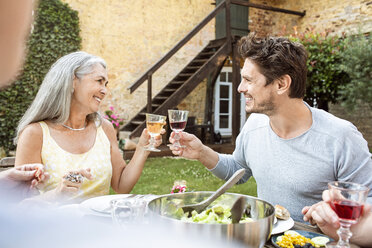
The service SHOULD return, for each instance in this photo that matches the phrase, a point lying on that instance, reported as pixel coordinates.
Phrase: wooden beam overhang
(265, 7)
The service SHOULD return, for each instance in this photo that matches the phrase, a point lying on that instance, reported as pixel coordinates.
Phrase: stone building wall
(195, 101)
(333, 16)
(133, 35)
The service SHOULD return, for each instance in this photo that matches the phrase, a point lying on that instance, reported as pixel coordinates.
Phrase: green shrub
(325, 77)
(357, 63)
(56, 33)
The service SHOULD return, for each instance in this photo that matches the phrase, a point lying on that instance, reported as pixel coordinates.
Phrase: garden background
(339, 65)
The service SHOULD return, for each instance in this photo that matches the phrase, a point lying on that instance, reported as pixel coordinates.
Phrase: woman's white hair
(53, 99)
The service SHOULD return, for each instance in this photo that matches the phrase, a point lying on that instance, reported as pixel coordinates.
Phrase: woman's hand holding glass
(145, 139)
(154, 124)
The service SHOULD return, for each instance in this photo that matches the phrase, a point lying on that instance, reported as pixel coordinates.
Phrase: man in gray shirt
(290, 148)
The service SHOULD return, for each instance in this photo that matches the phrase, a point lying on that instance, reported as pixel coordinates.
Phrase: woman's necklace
(75, 129)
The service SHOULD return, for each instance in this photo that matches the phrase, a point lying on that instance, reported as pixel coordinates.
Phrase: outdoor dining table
(85, 207)
(298, 226)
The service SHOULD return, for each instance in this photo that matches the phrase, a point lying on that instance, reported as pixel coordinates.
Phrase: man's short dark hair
(275, 57)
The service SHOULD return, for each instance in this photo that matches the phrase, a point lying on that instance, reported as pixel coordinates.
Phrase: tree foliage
(325, 77)
(357, 63)
(56, 33)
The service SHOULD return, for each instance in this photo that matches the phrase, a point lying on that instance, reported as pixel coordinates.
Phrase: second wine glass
(177, 122)
(347, 200)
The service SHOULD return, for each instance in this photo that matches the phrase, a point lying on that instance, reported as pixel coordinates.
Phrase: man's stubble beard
(268, 107)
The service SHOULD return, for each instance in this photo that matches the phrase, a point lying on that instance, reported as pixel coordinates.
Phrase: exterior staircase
(207, 63)
(211, 57)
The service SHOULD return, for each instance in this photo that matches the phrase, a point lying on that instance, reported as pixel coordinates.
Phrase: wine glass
(154, 124)
(177, 122)
(347, 200)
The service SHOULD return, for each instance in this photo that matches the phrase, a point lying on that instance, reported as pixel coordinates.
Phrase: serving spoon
(199, 207)
(238, 209)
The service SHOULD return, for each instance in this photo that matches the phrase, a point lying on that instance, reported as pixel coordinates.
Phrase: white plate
(98, 205)
(282, 226)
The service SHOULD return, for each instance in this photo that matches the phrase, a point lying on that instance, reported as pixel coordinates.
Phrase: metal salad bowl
(252, 234)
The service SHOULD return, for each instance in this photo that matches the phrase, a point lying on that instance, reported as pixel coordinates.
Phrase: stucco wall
(132, 35)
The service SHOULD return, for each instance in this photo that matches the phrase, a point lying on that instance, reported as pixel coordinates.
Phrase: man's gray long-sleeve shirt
(294, 172)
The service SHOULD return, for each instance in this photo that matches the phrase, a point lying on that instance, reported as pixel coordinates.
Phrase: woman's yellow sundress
(59, 162)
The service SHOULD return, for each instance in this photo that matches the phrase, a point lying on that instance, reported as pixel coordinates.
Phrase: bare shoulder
(108, 128)
(33, 132)
(106, 125)
(29, 145)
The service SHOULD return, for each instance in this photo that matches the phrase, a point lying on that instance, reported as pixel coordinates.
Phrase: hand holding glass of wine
(347, 200)
(154, 124)
(177, 122)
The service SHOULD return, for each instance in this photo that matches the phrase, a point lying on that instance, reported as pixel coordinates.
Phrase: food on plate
(320, 241)
(292, 239)
(290, 232)
(281, 212)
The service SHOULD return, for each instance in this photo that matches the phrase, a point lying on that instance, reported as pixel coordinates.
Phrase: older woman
(63, 130)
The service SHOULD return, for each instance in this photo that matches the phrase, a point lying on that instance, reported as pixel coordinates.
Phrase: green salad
(218, 213)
